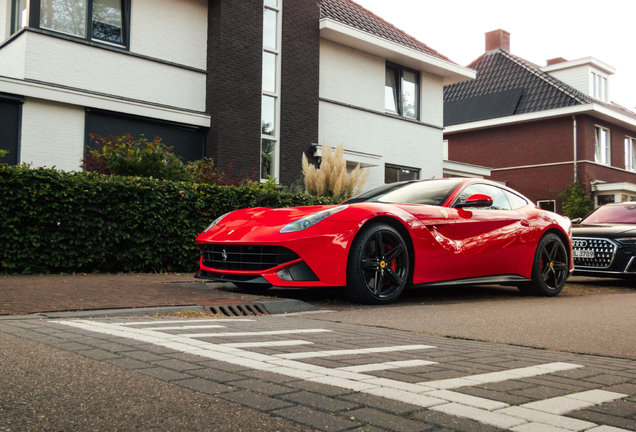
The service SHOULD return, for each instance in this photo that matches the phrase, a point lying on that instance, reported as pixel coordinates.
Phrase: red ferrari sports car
(415, 233)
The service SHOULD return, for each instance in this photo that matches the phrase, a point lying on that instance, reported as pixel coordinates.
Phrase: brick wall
(531, 143)
(233, 88)
(299, 85)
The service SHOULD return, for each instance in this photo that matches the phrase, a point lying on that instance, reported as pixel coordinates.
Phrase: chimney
(555, 61)
(497, 39)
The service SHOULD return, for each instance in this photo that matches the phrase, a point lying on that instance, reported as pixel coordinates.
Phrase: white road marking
(267, 344)
(541, 416)
(386, 365)
(263, 333)
(174, 321)
(358, 351)
(188, 327)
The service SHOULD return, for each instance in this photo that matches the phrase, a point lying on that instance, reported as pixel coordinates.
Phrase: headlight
(311, 220)
(216, 221)
(628, 241)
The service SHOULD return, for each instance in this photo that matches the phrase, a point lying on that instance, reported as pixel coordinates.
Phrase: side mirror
(477, 201)
(576, 221)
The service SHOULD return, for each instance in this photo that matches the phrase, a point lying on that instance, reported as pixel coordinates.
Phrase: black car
(604, 242)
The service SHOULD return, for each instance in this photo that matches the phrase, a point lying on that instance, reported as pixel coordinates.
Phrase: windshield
(432, 192)
(613, 214)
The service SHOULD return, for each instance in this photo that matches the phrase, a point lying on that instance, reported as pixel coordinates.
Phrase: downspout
(574, 126)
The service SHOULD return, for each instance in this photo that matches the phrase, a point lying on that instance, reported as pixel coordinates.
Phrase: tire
(254, 288)
(550, 268)
(366, 269)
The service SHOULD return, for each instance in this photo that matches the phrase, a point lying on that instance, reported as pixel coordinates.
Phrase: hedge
(52, 221)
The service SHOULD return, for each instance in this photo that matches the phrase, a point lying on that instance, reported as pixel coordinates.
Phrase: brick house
(540, 128)
(253, 82)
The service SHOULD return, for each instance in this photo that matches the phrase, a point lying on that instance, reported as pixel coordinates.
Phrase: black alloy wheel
(378, 266)
(550, 268)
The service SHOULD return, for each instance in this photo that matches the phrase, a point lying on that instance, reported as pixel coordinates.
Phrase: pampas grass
(332, 178)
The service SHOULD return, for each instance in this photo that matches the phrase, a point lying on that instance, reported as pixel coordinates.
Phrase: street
(378, 368)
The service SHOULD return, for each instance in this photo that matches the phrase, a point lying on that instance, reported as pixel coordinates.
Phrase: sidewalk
(56, 293)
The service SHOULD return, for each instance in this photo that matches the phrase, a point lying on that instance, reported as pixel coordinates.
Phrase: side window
(499, 201)
(517, 202)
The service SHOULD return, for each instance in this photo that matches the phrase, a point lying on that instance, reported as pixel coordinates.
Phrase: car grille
(245, 257)
(604, 250)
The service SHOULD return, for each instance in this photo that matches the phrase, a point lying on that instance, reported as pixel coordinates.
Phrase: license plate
(583, 253)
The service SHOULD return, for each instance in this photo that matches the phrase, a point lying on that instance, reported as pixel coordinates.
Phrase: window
(602, 149)
(605, 199)
(96, 20)
(515, 200)
(630, 153)
(499, 200)
(549, 205)
(598, 86)
(270, 107)
(395, 173)
(401, 91)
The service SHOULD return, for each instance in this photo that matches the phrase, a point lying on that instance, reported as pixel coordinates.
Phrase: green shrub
(53, 221)
(575, 202)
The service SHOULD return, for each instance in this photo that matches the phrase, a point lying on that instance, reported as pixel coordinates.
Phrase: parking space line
(263, 333)
(358, 351)
(267, 344)
(386, 365)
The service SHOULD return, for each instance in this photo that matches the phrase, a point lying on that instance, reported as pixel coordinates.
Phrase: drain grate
(252, 309)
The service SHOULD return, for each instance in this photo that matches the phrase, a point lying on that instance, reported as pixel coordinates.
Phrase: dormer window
(598, 86)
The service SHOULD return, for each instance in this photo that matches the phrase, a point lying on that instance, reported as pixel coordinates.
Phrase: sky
(539, 30)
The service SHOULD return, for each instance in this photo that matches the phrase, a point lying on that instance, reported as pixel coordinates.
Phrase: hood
(603, 230)
(268, 217)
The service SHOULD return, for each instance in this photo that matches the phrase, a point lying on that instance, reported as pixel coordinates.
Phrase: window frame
(33, 8)
(399, 70)
(598, 130)
(276, 94)
(401, 168)
(552, 203)
(630, 153)
(599, 86)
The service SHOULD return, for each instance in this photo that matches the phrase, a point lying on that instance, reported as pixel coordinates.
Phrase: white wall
(172, 30)
(5, 19)
(399, 142)
(351, 76)
(52, 134)
(62, 62)
(356, 78)
(13, 58)
(578, 77)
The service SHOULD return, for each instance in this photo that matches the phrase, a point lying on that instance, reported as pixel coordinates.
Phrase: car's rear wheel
(378, 266)
(549, 269)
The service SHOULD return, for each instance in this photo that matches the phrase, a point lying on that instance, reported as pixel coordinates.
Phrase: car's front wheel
(550, 268)
(378, 266)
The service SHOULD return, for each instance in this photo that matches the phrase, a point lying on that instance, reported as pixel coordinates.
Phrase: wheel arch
(564, 238)
(399, 226)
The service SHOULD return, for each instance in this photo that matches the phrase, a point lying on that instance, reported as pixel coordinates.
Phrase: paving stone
(164, 374)
(536, 393)
(268, 376)
(176, 364)
(216, 375)
(439, 375)
(627, 388)
(493, 395)
(71, 346)
(579, 373)
(454, 423)
(316, 419)
(204, 386)
(321, 402)
(391, 374)
(143, 356)
(607, 379)
(98, 354)
(261, 387)
(604, 419)
(574, 386)
(507, 386)
(128, 363)
(389, 421)
(220, 365)
(323, 389)
(618, 408)
(253, 400)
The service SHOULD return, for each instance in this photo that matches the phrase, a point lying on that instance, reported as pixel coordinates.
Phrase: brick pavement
(54, 293)
(451, 385)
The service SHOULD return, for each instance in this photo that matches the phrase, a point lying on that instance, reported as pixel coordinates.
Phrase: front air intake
(245, 257)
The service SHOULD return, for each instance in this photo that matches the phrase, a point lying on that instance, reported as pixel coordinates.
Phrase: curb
(272, 307)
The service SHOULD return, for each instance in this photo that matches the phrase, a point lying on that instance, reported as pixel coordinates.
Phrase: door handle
(525, 223)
